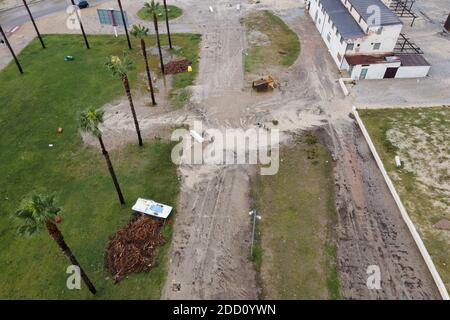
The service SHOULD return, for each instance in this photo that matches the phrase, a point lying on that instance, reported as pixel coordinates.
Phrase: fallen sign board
(152, 208)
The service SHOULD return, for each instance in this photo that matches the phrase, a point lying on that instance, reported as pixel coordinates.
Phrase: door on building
(363, 74)
(390, 73)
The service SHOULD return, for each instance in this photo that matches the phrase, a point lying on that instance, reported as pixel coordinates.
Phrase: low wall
(423, 250)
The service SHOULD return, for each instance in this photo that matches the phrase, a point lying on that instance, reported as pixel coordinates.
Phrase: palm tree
(152, 8)
(167, 24)
(34, 24)
(89, 122)
(120, 67)
(141, 32)
(41, 212)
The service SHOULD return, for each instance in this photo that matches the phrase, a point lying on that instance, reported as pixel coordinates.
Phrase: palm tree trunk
(59, 239)
(34, 24)
(124, 24)
(81, 25)
(111, 170)
(126, 84)
(167, 25)
(11, 50)
(149, 76)
(155, 22)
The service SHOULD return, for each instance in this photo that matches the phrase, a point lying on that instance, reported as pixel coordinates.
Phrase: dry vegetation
(421, 137)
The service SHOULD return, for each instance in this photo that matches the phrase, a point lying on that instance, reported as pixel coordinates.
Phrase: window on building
(339, 57)
(359, 20)
(350, 46)
(380, 30)
(329, 37)
(342, 40)
(336, 32)
(376, 46)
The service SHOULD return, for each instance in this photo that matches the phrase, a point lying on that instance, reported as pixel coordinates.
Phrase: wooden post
(81, 25)
(11, 50)
(124, 24)
(34, 24)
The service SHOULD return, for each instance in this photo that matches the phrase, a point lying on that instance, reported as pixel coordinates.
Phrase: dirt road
(209, 255)
(370, 228)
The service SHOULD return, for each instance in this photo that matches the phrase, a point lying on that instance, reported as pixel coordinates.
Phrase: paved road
(18, 16)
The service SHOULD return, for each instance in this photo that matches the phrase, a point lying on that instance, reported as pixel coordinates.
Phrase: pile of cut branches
(132, 248)
(176, 66)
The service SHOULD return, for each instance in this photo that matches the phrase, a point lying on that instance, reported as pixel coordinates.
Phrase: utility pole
(124, 24)
(81, 24)
(255, 216)
(34, 24)
(10, 49)
(167, 24)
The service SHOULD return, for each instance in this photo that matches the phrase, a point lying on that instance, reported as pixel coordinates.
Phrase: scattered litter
(59, 130)
(176, 287)
(69, 58)
(51, 145)
(398, 162)
(177, 66)
(189, 69)
(211, 9)
(152, 208)
(132, 248)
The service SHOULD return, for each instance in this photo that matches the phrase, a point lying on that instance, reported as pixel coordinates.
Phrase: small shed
(387, 66)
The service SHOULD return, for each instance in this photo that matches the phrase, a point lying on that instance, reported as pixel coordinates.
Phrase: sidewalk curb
(19, 6)
(412, 229)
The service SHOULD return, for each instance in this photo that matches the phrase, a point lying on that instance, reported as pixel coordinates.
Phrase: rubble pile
(132, 248)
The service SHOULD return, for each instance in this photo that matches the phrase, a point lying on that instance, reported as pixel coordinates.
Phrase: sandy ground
(208, 256)
(370, 228)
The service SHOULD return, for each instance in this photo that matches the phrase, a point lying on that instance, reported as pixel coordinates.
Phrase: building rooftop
(358, 59)
(342, 19)
(409, 60)
(363, 7)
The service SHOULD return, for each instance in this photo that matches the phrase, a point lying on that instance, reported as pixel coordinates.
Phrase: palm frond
(90, 119)
(139, 31)
(152, 7)
(35, 212)
(119, 66)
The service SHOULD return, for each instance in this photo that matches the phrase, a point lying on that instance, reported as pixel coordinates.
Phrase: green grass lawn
(179, 95)
(173, 13)
(282, 45)
(421, 137)
(50, 95)
(295, 252)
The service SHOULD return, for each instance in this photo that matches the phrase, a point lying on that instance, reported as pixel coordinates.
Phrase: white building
(361, 36)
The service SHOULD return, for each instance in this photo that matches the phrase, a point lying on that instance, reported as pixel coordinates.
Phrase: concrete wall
(413, 72)
(387, 39)
(333, 40)
(377, 71)
(374, 71)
